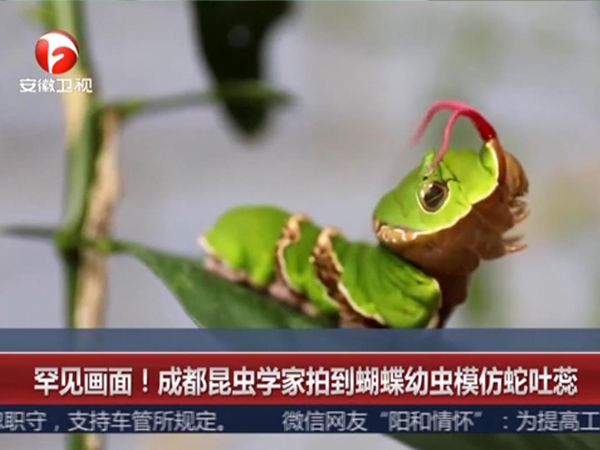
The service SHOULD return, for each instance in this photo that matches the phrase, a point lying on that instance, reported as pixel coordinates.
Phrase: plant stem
(91, 174)
(80, 129)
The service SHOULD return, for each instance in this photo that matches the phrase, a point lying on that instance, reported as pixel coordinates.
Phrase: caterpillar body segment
(244, 238)
(296, 266)
(381, 286)
(363, 283)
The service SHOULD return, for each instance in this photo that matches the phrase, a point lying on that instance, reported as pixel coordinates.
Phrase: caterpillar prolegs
(319, 271)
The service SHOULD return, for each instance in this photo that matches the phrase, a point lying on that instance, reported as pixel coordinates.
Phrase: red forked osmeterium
(485, 129)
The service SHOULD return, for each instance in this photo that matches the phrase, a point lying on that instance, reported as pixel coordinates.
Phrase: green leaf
(209, 300)
(214, 302)
(231, 36)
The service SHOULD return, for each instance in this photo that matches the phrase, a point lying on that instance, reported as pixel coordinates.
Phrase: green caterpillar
(433, 228)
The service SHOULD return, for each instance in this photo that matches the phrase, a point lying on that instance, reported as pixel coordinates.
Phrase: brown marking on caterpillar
(329, 271)
(281, 288)
(278, 289)
(215, 265)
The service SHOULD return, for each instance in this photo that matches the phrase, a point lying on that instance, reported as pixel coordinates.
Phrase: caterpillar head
(455, 207)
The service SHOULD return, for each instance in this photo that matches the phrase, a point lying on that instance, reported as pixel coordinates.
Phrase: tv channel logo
(56, 52)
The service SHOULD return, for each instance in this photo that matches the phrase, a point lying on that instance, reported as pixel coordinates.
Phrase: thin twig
(246, 91)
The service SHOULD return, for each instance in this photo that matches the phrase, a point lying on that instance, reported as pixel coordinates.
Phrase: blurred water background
(361, 73)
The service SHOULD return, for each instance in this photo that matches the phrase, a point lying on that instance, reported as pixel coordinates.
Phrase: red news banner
(300, 378)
